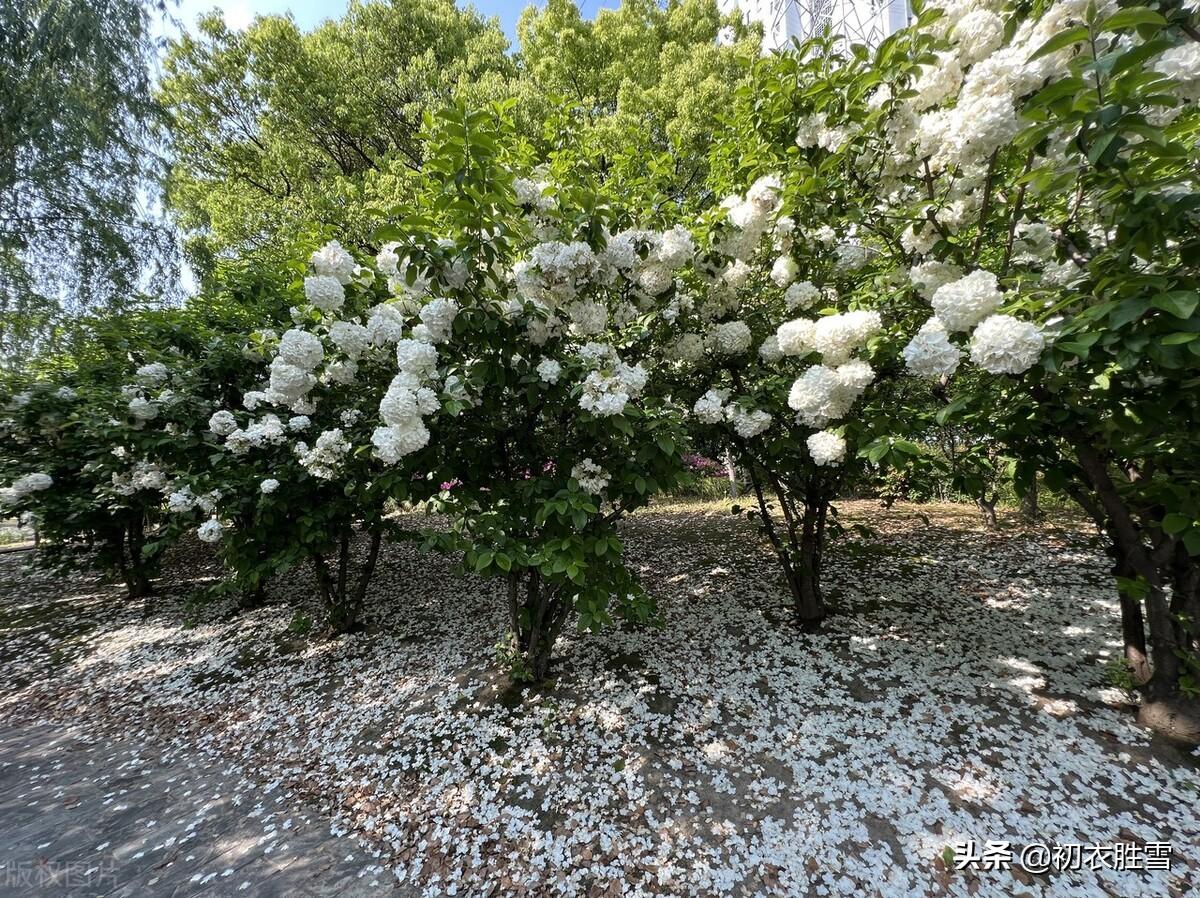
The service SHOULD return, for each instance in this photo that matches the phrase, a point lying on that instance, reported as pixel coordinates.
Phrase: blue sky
(309, 13)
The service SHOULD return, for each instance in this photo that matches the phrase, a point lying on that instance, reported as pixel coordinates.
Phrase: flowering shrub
(1042, 166)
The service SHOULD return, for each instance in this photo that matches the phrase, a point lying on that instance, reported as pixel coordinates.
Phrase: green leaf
(1060, 40)
(1176, 523)
(1132, 18)
(1180, 303)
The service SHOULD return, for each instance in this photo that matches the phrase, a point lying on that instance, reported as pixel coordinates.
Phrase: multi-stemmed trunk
(538, 611)
(987, 507)
(799, 544)
(1159, 584)
(342, 594)
(127, 544)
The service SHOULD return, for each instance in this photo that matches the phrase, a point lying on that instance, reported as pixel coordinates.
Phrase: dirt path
(81, 817)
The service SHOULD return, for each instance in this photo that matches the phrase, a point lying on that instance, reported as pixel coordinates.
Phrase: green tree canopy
(77, 167)
(275, 131)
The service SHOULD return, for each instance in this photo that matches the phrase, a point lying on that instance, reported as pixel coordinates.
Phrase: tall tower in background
(862, 21)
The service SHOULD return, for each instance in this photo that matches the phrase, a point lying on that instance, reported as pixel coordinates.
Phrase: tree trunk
(343, 600)
(735, 488)
(1172, 604)
(537, 621)
(988, 508)
(810, 601)
(1030, 512)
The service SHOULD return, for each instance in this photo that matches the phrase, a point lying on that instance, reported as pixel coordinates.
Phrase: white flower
(836, 337)
(333, 261)
(349, 337)
(181, 500)
(930, 353)
(784, 271)
(269, 485)
(822, 394)
(288, 382)
(796, 337)
(385, 324)
(730, 338)
(299, 423)
(222, 423)
(688, 348)
(396, 441)
(929, 276)
(962, 304)
(417, 358)
(325, 292)
(826, 448)
(438, 317)
(1005, 345)
(1182, 63)
(747, 424)
(549, 370)
(66, 393)
(590, 476)
(710, 408)
(143, 409)
(210, 531)
(587, 317)
(301, 349)
(31, 483)
(153, 375)
(607, 394)
(801, 295)
(770, 352)
(324, 459)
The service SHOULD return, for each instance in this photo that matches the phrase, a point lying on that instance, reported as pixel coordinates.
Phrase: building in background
(862, 21)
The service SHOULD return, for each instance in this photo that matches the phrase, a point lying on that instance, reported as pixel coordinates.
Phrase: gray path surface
(84, 818)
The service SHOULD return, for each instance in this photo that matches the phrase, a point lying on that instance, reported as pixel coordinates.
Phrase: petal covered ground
(960, 690)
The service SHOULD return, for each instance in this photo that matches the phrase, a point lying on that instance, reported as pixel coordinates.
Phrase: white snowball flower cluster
(325, 457)
(826, 448)
(555, 272)
(837, 337)
(324, 292)
(23, 486)
(590, 476)
(962, 304)
(747, 423)
(714, 408)
(549, 370)
(142, 409)
(750, 217)
(438, 317)
(688, 348)
(729, 338)
(269, 485)
(796, 338)
(801, 295)
(784, 271)
(532, 193)
(385, 324)
(333, 261)
(822, 394)
(930, 353)
(267, 430)
(929, 276)
(350, 338)
(710, 408)
(1005, 345)
(407, 402)
(607, 391)
(1182, 64)
(292, 377)
(222, 423)
(210, 531)
(153, 375)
